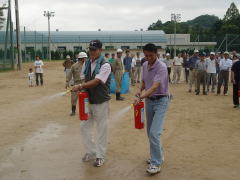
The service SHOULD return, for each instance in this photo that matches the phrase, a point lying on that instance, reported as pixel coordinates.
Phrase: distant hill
(204, 21)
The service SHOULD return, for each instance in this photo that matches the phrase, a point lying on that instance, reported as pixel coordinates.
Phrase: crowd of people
(211, 71)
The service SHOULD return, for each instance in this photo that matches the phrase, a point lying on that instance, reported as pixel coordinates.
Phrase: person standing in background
(112, 59)
(168, 63)
(211, 72)
(235, 59)
(235, 76)
(133, 78)
(225, 66)
(30, 77)
(106, 57)
(177, 68)
(118, 74)
(163, 58)
(38, 64)
(75, 75)
(201, 68)
(67, 64)
(127, 62)
(138, 67)
(193, 72)
(186, 66)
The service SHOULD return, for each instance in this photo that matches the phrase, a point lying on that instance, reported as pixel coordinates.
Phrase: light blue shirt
(225, 64)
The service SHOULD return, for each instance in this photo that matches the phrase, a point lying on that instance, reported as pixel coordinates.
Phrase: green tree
(232, 13)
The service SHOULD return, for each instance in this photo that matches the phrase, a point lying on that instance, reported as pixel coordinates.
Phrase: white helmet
(119, 50)
(82, 55)
(196, 51)
(167, 54)
(68, 57)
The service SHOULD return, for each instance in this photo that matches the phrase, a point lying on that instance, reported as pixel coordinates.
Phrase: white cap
(68, 57)
(119, 50)
(82, 55)
(226, 52)
(196, 51)
(212, 53)
(167, 54)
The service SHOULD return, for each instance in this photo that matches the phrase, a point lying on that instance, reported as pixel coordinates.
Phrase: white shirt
(38, 66)
(31, 76)
(225, 64)
(104, 72)
(133, 62)
(177, 61)
(211, 66)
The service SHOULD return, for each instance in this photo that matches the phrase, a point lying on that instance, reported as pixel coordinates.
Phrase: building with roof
(78, 40)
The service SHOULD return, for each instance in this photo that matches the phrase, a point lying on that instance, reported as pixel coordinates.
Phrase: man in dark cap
(97, 83)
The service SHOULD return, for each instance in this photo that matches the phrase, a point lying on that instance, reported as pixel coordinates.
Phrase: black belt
(152, 98)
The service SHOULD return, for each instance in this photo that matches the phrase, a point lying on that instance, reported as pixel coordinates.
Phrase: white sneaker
(88, 157)
(152, 169)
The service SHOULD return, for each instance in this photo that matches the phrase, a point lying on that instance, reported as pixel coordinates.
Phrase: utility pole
(49, 14)
(19, 50)
(175, 18)
(226, 42)
(24, 37)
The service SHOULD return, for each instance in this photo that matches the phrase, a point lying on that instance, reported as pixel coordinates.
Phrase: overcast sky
(113, 15)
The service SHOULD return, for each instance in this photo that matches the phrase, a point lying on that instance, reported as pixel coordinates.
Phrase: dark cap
(202, 54)
(95, 44)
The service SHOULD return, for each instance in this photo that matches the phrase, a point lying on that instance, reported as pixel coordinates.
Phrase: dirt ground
(40, 141)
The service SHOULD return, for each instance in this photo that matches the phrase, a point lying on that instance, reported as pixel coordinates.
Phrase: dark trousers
(201, 78)
(211, 80)
(186, 75)
(169, 73)
(39, 76)
(223, 80)
(236, 87)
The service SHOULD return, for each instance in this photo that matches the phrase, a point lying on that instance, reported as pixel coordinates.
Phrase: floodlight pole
(49, 14)
(175, 18)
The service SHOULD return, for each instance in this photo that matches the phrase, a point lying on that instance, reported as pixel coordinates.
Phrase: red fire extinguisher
(83, 99)
(139, 115)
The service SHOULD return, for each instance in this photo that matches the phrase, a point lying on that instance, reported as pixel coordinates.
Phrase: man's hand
(76, 88)
(136, 101)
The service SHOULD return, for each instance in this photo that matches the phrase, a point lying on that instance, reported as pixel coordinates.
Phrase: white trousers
(98, 114)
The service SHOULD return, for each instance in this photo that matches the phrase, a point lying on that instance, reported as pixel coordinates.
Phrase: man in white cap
(138, 67)
(225, 66)
(118, 73)
(193, 71)
(168, 63)
(211, 72)
(177, 68)
(74, 73)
